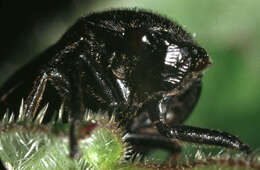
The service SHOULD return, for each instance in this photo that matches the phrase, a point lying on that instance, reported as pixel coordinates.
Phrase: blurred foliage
(27, 144)
(229, 30)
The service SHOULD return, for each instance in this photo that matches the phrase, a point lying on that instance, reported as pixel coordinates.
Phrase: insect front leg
(156, 109)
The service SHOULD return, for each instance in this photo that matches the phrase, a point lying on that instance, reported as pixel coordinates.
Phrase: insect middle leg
(145, 142)
(145, 138)
(76, 108)
(50, 87)
(69, 90)
(33, 100)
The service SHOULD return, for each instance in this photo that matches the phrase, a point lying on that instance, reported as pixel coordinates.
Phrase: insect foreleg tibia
(203, 136)
(156, 108)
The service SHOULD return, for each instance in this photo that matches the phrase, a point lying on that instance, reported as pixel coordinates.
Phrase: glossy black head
(167, 64)
(151, 53)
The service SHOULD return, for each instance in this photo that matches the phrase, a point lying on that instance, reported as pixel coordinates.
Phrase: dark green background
(228, 30)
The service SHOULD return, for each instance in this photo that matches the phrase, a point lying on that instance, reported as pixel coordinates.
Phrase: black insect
(141, 66)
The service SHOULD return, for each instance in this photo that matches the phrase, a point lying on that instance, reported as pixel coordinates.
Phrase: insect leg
(70, 90)
(144, 142)
(203, 136)
(76, 107)
(193, 134)
(33, 100)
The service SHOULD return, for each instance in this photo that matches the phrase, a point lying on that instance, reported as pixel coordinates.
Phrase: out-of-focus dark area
(229, 30)
(19, 19)
(28, 27)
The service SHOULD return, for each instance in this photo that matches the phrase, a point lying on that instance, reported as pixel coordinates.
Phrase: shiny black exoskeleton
(143, 66)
